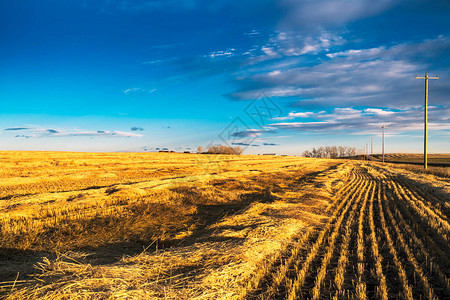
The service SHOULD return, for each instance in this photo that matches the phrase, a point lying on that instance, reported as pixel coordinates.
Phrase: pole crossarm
(436, 77)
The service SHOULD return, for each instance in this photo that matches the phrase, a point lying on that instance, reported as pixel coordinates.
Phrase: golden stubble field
(188, 226)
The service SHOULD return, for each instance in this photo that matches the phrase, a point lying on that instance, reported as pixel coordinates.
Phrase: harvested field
(415, 157)
(184, 226)
(387, 237)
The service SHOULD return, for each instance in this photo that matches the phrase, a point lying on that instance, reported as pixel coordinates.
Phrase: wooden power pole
(425, 136)
(367, 151)
(371, 146)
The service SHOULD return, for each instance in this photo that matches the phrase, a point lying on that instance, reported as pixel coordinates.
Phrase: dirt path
(387, 238)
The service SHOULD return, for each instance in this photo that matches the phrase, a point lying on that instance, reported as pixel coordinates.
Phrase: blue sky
(272, 76)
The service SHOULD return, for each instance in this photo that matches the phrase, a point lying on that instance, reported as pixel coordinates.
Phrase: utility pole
(371, 146)
(425, 136)
(383, 143)
(367, 151)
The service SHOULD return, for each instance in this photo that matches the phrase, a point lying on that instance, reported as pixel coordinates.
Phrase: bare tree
(331, 152)
(237, 150)
(221, 149)
(307, 153)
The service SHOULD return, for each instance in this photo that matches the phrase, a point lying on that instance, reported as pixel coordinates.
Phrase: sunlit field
(413, 157)
(193, 226)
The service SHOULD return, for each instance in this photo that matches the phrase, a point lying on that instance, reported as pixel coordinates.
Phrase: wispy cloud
(293, 115)
(240, 144)
(270, 144)
(138, 91)
(161, 61)
(39, 132)
(381, 76)
(251, 132)
(98, 133)
(378, 111)
(363, 120)
(15, 128)
(222, 53)
(358, 52)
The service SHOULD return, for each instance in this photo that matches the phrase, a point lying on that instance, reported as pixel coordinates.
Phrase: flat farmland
(440, 158)
(189, 226)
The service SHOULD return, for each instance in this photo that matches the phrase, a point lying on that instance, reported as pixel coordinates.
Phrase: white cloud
(382, 76)
(269, 51)
(305, 126)
(292, 43)
(132, 90)
(369, 120)
(358, 52)
(153, 62)
(249, 133)
(36, 131)
(346, 113)
(294, 115)
(284, 44)
(221, 53)
(253, 32)
(275, 73)
(98, 133)
(378, 111)
(139, 90)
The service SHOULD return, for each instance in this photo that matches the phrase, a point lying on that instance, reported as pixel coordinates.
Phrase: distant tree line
(220, 149)
(330, 152)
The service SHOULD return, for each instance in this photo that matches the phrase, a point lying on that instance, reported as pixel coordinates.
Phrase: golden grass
(438, 171)
(415, 157)
(110, 205)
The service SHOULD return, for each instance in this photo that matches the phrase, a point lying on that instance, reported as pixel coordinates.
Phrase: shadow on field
(206, 214)
(209, 214)
(150, 226)
(16, 263)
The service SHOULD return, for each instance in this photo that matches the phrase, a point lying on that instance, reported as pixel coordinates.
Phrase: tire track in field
(293, 268)
(310, 273)
(417, 267)
(385, 239)
(426, 266)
